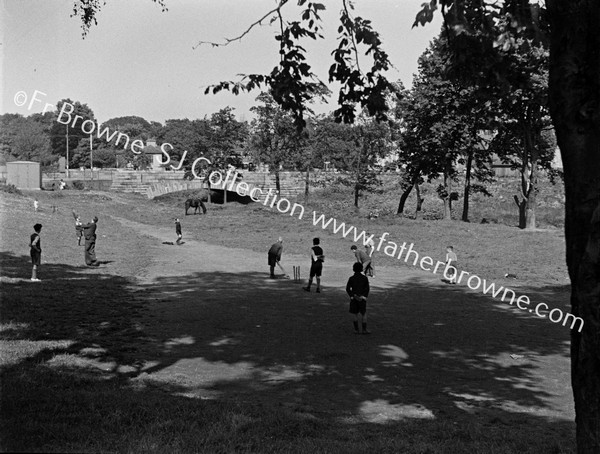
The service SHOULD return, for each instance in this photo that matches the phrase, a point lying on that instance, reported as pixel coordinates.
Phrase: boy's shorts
(358, 306)
(271, 260)
(315, 269)
(36, 258)
(452, 269)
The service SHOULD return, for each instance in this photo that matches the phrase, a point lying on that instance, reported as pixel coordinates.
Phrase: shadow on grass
(234, 362)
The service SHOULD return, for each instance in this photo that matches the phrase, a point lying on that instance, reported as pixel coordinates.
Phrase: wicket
(296, 273)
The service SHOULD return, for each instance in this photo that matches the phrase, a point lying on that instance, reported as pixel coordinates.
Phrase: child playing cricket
(35, 250)
(78, 230)
(358, 291)
(451, 264)
(316, 265)
(178, 230)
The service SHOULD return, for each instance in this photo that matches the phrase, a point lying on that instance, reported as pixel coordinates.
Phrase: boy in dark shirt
(89, 233)
(316, 265)
(274, 256)
(178, 230)
(35, 251)
(358, 291)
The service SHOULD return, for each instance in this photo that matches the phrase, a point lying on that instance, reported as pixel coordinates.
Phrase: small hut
(24, 174)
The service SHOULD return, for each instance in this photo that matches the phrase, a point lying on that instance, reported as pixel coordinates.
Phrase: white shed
(24, 174)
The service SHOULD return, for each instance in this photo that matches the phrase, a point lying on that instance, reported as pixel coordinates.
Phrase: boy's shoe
(366, 331)
(33, 279)
(318, 290)
(306, 289)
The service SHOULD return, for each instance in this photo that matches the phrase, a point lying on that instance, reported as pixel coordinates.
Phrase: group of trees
(464, 115)
(40, 137)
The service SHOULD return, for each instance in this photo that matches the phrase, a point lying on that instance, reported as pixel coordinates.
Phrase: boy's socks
(355, 323)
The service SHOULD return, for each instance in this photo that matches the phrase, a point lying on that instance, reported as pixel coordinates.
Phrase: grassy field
(192, 349)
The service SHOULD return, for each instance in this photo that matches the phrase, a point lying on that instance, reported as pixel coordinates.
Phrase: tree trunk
(419, 202)
(465, 213)
(530, 184)
(522, 204)
(403, 198)
(307, 184)
(277, 181)
(575, 108)
(357, 182)
(447, 206)
(530, 222)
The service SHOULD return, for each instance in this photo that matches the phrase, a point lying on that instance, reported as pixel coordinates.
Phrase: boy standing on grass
(358, 291)
(274, 256)
(451, 264)
(89, 233)
(369, 249)
(178, 230)
(35, 250)
(78, 230)
(316, 265)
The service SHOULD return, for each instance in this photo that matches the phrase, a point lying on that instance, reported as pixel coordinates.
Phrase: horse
(195, 204)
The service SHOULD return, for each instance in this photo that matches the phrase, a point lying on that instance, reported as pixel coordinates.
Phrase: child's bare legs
(363, 320)
(307, 288)
(364, 324)
(454, 274)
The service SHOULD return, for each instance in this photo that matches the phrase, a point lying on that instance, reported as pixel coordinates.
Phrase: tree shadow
(437, 353)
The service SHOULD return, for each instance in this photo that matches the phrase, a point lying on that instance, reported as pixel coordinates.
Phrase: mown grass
(69, 409)
(489, 250)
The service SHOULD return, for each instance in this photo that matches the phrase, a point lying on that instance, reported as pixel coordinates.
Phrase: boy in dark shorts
(35, 250)
(358, 291)
(316, 265)
(178, 230)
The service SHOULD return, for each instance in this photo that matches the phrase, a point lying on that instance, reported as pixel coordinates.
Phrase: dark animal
(195, 204)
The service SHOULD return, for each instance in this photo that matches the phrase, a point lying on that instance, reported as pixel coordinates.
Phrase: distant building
(153, 150)
(24, 174)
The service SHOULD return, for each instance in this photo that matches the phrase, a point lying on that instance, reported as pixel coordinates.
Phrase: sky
(142, 61)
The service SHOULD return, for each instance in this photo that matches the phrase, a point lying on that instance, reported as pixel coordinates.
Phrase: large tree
(274, 139)
(524, 117)
(25, 138)
(574, 97)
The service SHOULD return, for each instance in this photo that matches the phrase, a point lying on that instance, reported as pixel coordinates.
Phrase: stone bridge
(156, 183)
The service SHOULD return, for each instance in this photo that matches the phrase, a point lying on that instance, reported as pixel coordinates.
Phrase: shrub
(78, 184)
(10, 188)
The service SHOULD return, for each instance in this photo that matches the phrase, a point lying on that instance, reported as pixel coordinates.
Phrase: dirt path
(223, 329)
